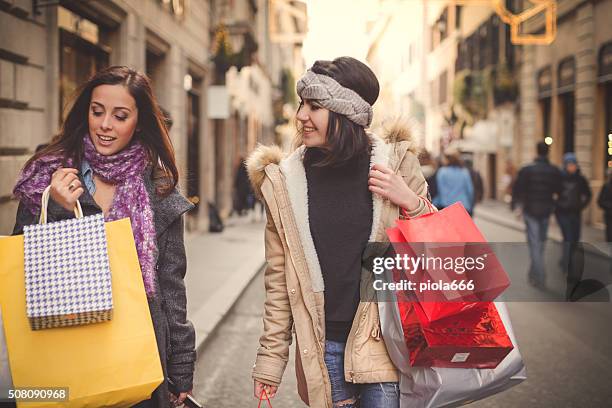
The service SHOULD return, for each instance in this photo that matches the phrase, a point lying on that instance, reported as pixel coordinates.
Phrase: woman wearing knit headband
(114, 155)
(337, 191)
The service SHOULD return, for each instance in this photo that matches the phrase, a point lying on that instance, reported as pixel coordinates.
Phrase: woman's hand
(177, 401)
(385, 182)
(258, 388)
(66, 187)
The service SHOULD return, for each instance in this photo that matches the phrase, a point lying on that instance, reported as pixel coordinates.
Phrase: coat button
(305, 351)
(293, 291)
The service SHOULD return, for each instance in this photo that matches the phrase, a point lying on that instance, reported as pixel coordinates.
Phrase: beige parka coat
(294, 282)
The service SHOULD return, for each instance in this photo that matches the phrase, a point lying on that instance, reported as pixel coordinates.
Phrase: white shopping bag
(432, 387)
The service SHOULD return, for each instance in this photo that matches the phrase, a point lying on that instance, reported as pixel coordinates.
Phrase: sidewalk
(219, 268)
(500, 213)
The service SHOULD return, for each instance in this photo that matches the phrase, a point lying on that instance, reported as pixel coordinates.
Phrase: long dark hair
(346, 139)
(153, 133)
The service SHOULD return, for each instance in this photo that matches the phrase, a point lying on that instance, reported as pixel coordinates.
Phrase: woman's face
(113, 117)
(314, 119)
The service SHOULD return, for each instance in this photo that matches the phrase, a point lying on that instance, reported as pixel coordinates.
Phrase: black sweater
(340, 217)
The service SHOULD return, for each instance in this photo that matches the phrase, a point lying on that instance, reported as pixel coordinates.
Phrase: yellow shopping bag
(113, 363)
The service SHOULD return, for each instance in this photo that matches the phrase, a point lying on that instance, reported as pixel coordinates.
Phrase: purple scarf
(126, 170)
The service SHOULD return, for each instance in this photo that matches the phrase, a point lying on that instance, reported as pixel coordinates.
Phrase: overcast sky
(337, 28)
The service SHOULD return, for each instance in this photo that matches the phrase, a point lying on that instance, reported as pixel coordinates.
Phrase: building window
(494, 40)
(442, 25)
(443, 88)
(433, 93)
(458, 10)
(439, 30)
(83, 52)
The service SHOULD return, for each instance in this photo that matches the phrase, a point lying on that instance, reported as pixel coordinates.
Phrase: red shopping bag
(444, 235)
(475, 338)
(264, 397)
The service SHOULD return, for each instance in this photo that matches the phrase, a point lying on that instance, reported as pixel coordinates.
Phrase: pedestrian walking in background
(428, 167)
(476, 182)
(508, 180)
(243, 194)
(325, 201)
(604, 200)
(113, 154)
(574, 197)
(535, 190)
(454, 183)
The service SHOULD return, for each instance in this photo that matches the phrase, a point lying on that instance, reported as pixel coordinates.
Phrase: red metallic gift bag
(445, 234)
(475, 338)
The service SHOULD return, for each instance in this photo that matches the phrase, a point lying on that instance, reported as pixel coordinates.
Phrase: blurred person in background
(604, 200)
(243, 194)
(535, 190)
(325, 201)
(428, 167)
(476, 182)
(574, 197)
(508, 181)
(454, 183)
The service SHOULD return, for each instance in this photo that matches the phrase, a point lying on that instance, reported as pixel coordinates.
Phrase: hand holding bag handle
(78, 211)
(429, 205)
(264, 397)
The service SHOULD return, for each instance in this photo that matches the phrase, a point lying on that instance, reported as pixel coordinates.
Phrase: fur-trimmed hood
(396, 132)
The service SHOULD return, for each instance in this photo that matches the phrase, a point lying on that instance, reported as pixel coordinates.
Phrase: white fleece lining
(380, 155)
(292, 168)
(295, 174)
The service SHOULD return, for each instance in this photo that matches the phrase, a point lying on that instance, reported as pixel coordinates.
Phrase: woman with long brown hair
(114, 155)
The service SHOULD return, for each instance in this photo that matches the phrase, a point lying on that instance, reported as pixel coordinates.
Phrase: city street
(565, 346)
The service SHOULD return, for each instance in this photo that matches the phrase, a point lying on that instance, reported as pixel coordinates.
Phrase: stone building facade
(47, 51)
(566, 91)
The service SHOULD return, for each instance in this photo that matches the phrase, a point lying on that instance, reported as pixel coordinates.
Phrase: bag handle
(261, 398)
(427, 203)
(78, 211)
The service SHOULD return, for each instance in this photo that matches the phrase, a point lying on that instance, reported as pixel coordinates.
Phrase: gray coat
(175, 334)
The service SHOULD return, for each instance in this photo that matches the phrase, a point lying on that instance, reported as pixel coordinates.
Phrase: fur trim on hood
(257, 162)
(394, 132)
(398, 130)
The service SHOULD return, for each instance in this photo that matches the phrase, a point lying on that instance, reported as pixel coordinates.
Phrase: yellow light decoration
(548, 7)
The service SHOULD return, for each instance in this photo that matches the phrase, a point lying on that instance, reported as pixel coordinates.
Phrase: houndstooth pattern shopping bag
(67, 272)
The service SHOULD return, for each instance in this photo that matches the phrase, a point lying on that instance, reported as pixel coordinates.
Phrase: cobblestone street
(223, 371)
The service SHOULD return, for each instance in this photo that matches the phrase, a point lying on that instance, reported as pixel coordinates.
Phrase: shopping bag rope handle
(427, 203)
(78, 211)
(261, 398)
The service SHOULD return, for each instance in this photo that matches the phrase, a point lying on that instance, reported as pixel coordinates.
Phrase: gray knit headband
(333, 96)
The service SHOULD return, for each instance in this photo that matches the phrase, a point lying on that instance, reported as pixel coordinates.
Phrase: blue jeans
(537, 231)
(375, 395)
(570, 228)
